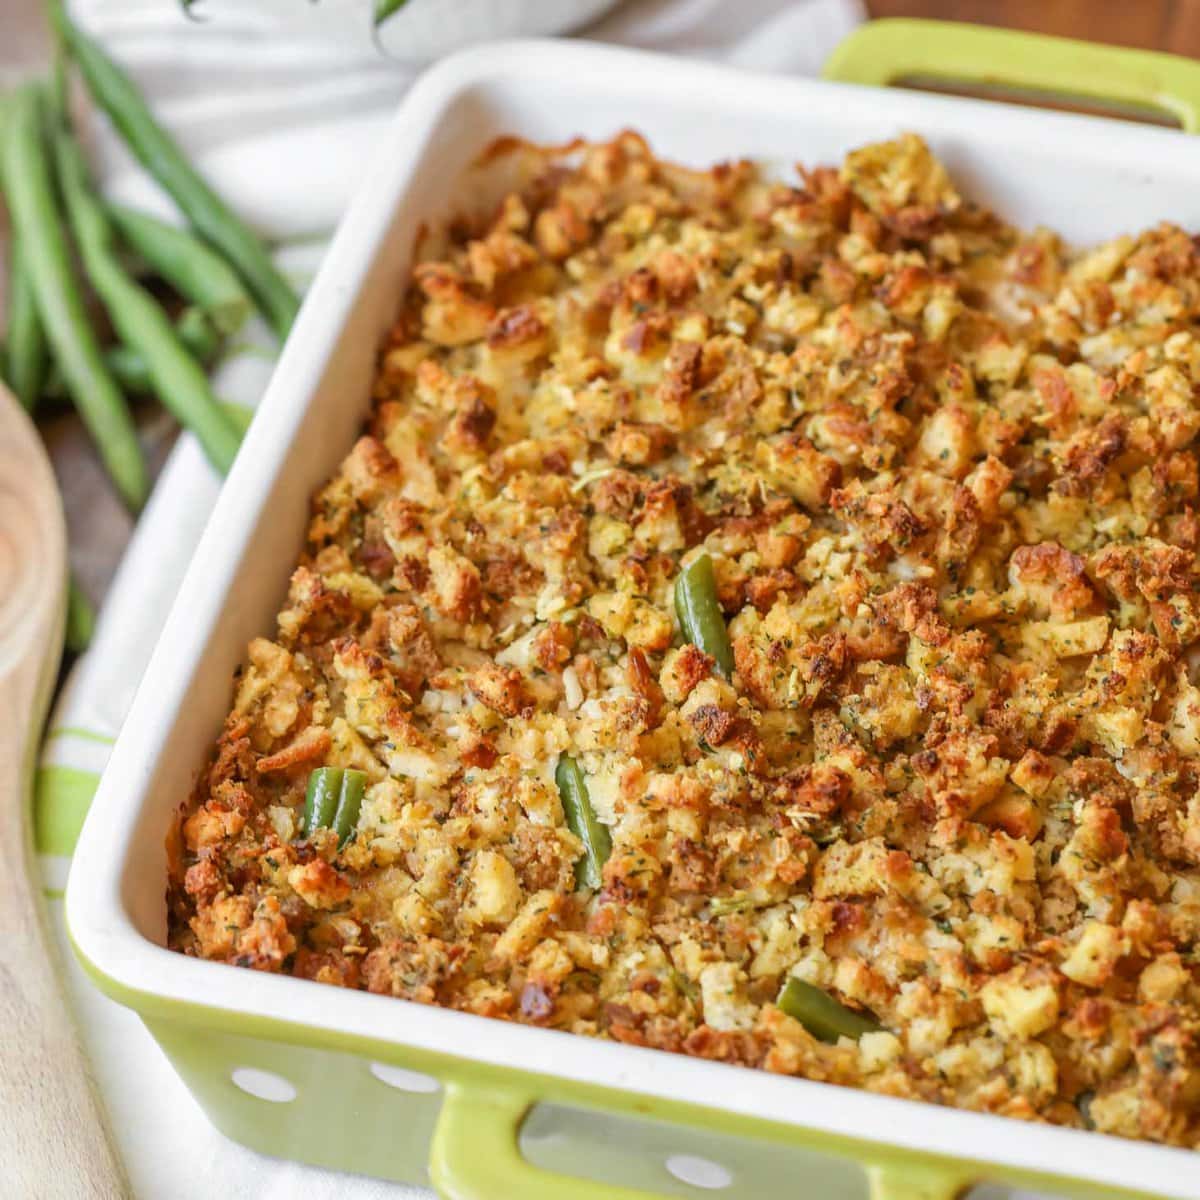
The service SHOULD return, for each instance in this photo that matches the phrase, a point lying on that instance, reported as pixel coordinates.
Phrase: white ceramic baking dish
(384, 1086)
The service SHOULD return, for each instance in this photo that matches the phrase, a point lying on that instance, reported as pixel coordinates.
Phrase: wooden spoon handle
(53, 1140)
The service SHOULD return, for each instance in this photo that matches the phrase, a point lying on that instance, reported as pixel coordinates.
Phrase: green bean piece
(700, 615)
(583, 823)
(158, 152)
(64, 317)
(821, 1014)
(179, 381)
(333, 800)
(350, 798)
(130, 371)
(192, 268)
(26, 359)
(321, 798)
(81, 619)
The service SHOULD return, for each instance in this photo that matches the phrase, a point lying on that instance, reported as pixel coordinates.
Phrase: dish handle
(887, 51)
(475, 1155)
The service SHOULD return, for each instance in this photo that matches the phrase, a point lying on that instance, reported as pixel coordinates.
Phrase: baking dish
(367, 1083)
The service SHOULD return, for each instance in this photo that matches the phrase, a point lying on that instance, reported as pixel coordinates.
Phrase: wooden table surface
(100, 527)
(1172, 25)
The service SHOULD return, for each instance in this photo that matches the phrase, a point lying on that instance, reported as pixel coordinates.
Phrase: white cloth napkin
(281, 114)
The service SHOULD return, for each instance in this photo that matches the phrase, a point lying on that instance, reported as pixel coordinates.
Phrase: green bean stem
(583, 823)
(191, 267)
(26, 357)
(821, 1014)
(700, 615)
(60, 305)
(179, 381)
(158, 152)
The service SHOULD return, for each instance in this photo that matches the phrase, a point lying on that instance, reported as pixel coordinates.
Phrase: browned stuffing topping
(947, 475)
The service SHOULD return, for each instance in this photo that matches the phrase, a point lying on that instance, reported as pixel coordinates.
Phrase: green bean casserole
(759, 621)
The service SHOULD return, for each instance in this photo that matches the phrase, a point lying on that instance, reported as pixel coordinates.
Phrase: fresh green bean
(81, 619)
(179, 381)
(197, 331)
(129, 370)
(26, 359)
(64, 317)
(700, 615)
(333, 800)
(190, 266)
(821, 1014)
(158, 152)
(583, 823)
(193, 329)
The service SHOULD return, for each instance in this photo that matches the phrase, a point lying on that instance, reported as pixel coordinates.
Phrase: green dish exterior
(464, 1138)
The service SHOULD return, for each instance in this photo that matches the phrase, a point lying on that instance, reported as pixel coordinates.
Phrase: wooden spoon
(53, 1140)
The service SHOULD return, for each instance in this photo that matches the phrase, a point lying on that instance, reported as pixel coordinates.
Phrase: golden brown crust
(947, 475)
